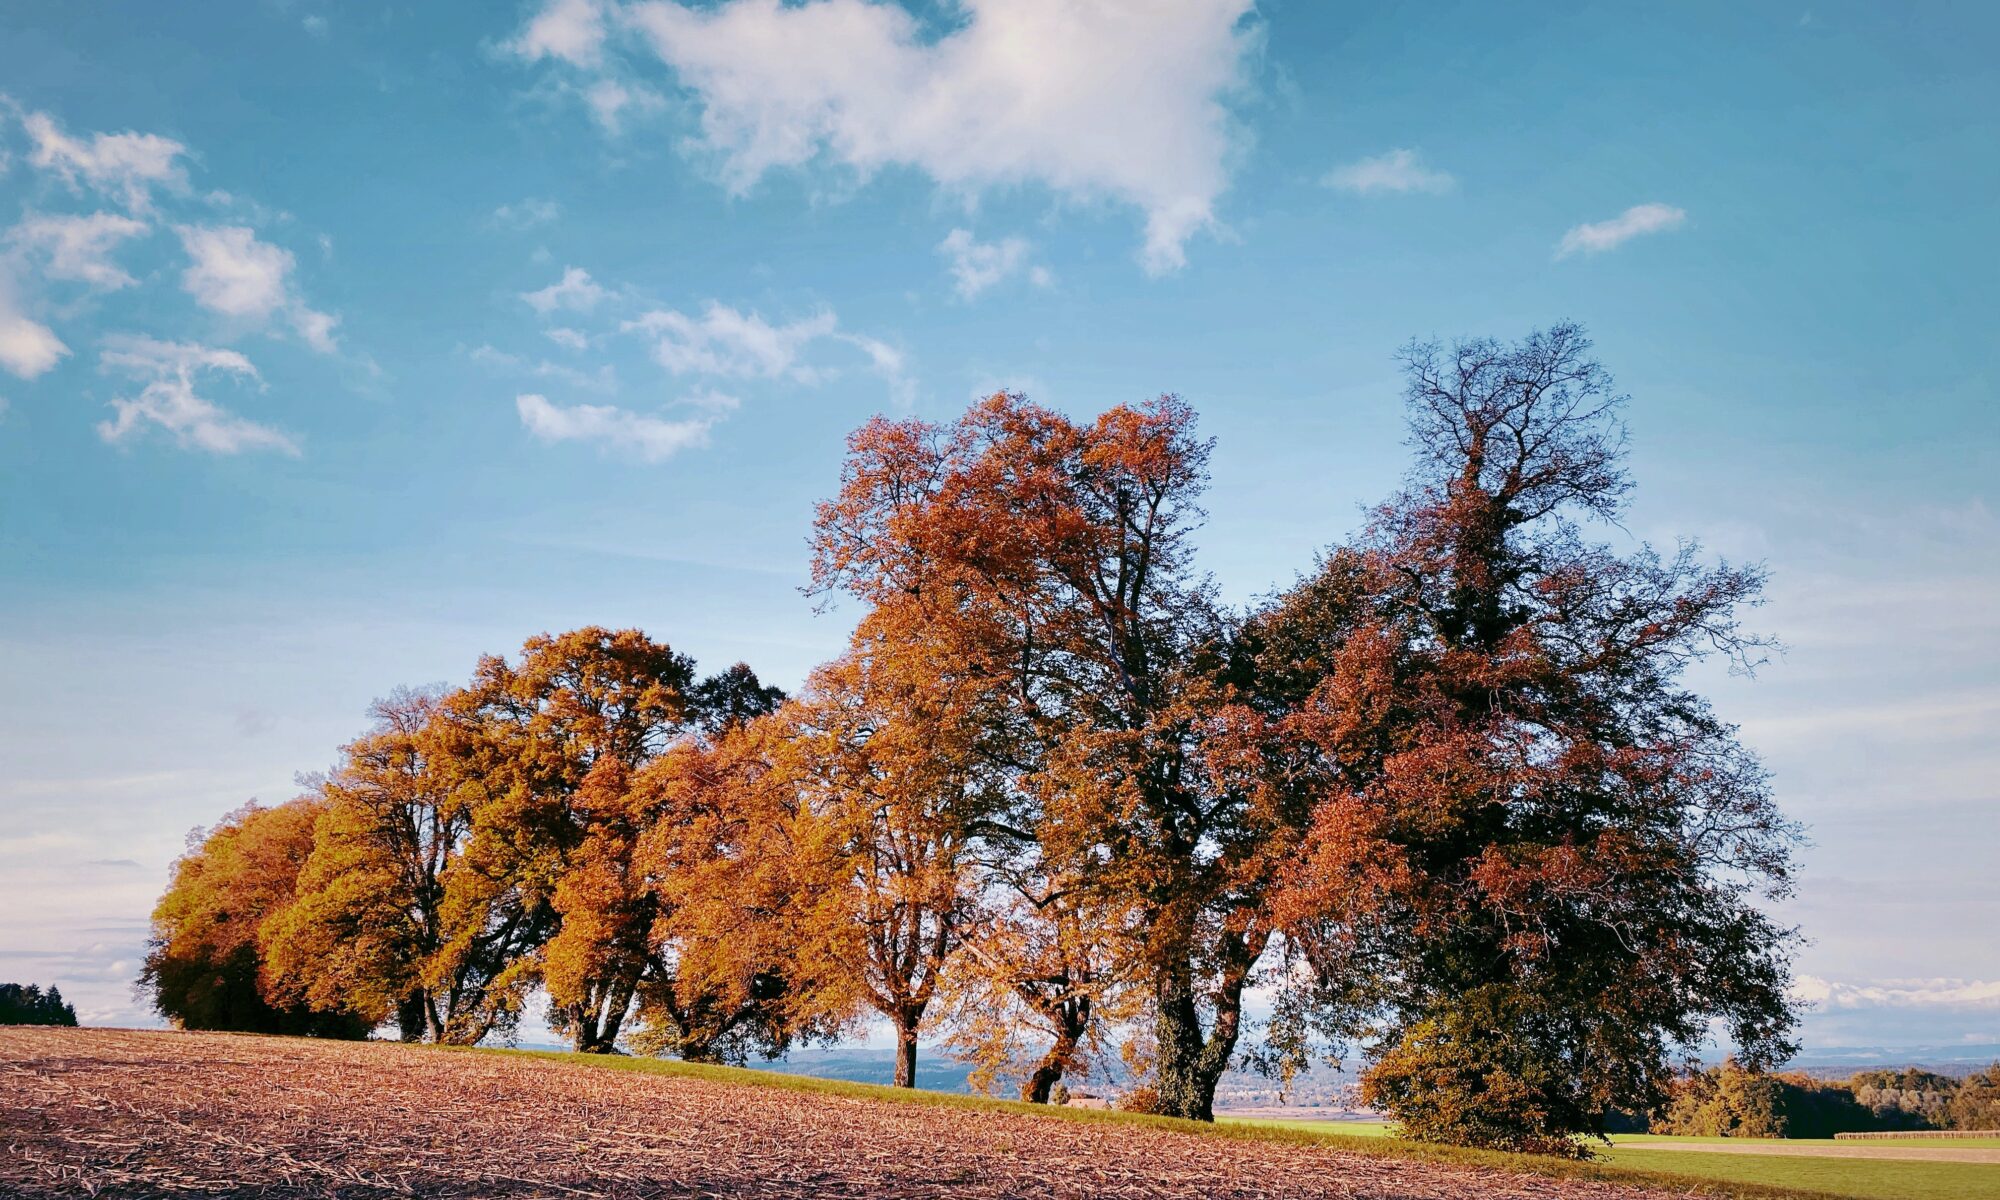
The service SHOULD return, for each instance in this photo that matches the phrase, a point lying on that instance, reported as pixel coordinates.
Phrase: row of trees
(30, 1005)
(1729, 1101)
(1446, 791)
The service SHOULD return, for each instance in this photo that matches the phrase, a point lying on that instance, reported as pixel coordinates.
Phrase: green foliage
(30, 1005)
(1477, 1074)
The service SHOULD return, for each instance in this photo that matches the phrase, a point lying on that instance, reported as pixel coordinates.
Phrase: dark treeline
(1445, 791)
(30, 1005)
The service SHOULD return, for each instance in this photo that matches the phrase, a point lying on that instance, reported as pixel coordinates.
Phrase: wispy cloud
(1393, 172)
(650, 438)
(526, 214)
(78, 247)
(574, 292)
(167, 372)
(976, 265)
(1982, 994)
(1640, 219)
(127, 166)
(603, 379)
(726, 341)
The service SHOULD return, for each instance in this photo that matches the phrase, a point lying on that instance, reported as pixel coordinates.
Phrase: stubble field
(126, 1114)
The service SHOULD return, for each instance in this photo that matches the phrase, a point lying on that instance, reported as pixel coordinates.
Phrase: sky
(340, 345)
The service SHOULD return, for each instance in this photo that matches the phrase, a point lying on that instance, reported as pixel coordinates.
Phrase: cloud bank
(1120, 101)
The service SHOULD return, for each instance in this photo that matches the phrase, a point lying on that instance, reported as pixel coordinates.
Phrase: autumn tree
(745, 874)
(561, 730)
(617, 950)
(392, 919)
(1534, 854)
(205, 960)
(1038, 984)
(1053, 558)
(891, 756)
(1976, 1106)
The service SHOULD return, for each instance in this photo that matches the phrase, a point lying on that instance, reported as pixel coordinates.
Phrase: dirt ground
(126, 1114)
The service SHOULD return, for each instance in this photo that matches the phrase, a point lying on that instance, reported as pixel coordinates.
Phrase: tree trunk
(1071, 1017)
(906, 1050)
(1178, 1071)
(1038, 1085)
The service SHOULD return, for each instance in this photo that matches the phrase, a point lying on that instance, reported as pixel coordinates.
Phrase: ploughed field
(124, 1113)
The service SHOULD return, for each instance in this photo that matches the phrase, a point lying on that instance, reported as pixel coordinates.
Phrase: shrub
(1142, 1099)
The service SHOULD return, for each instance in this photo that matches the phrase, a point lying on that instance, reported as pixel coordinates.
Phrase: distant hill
(1838, 1062)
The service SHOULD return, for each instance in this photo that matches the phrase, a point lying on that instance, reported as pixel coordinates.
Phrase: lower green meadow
(1858, 1178)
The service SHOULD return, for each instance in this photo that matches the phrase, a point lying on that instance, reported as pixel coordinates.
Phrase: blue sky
(341, 344)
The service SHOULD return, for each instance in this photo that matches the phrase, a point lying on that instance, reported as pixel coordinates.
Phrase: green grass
(1663, 1141)
(1867, 1179)
(1370, 1138)
(1861, 1179)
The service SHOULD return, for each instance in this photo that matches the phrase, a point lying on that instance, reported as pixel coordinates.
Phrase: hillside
(121, 1113)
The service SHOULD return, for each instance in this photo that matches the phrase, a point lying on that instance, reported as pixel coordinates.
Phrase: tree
(205, 961)
(1734, 1101)
(1977, 1104)
(1531, 848)
(617, 939)
(1908, 1099)
(564, 727)
(393, 918)
(30, 1005)
(888, 739)
(752, 900)
(1052, 559)
(1037, 983)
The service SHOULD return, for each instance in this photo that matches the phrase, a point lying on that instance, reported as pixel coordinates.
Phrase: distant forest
(30, 1005)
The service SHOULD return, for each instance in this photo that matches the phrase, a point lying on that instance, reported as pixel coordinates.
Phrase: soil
(120, 1113)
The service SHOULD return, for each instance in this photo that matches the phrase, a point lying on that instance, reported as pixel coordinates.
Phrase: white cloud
(1594, 238)
(650, 438)
(79, 248)
(126, 165)
(574, 292)
(232, 273)
(568, 339)
(977, 265)
(527, 214)
(314, 328)
(1396, 171)
(1116, 100)
(569, 30)
(315, 25)
(724, 341)
(167, 372)
(28, 348)
(1899, 993)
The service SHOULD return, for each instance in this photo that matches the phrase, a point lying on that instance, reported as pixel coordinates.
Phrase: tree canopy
(1447, 795)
